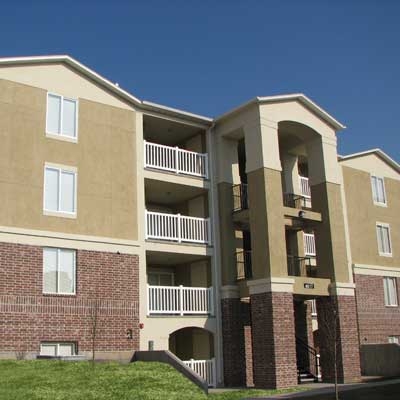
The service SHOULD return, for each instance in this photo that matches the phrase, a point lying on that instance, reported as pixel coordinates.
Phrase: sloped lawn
(58, 380)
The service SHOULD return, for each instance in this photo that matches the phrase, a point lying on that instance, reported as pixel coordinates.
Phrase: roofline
(377, 151)
(113, 87)
(289, 97)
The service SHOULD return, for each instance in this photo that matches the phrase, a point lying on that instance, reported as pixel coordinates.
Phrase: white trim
(61, 136)
(378, 203)
(376, 270)
(387, 293)
(342, 289)
(60, 169)
(57, 344)
(308, 103)
(73, 293)
(273, 284)
(384, 225)
(377, 151)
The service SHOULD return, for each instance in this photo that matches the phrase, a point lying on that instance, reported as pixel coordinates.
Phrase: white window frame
(379, 203)
(57, 344)
(58, 275)
(60, 135)
(394, 339)
(60, 169)
(387, 226)
(387, 297)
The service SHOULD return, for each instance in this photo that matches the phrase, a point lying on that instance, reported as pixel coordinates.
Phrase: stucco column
(267, 226)
(330, 237)
(273, 333)
(291, 174)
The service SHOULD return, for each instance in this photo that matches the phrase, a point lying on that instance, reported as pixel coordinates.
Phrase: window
(384, 244)
(393, 339)
(390, 290)
(161, 278)
(60, 190)
(378, 190)
(59, 271)
(57, 349)
(62, 116)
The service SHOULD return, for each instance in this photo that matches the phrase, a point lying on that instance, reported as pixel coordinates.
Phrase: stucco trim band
(376, 270)
(230, 292)
(273, 284)
(342, 289)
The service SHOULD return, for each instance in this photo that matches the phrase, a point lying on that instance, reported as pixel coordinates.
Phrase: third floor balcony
(175, 160)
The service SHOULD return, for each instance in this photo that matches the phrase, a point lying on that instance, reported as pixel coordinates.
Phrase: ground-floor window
(57, 349)
(394, 339)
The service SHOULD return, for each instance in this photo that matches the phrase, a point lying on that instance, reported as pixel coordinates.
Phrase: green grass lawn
(58, 380)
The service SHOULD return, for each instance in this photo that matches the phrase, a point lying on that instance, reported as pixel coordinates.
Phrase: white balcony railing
(305, 187)
(204, 368)
(180, 300)
(177, 228)
(309, 245)
(174, 159)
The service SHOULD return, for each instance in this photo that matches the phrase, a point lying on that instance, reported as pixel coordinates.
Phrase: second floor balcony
(177, 228)
(175, 160)
(180, 300)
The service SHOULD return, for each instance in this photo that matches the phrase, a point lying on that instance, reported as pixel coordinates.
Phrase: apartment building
(217, 239)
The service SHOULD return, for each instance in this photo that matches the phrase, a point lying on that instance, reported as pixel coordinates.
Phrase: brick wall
(233, 343)
(375, 321)
(274, 346)
(347, 344)
(28, 317)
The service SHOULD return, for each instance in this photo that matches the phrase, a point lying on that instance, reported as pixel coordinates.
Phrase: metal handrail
(300, 266)
(309, 363)
(240, 197)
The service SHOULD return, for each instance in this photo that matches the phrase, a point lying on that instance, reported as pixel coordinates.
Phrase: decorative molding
(273, 284)
(342, 289)
(376, 270)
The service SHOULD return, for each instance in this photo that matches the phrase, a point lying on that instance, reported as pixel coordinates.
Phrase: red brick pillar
(274, 345)
(341, 309)
(233, 342)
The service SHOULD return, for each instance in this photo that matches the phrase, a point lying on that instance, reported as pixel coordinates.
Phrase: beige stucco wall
(105, 159)
(363, 215)
(60, 79)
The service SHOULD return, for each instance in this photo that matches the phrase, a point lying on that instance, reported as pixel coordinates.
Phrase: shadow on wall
(380, 359)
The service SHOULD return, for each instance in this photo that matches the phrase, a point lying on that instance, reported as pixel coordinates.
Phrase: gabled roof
(302, 98)
(381, 154)
(105, 83)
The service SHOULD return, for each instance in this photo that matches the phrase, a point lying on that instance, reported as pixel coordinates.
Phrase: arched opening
(192, 343)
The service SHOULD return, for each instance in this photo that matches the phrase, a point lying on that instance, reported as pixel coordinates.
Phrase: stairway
(308, 367)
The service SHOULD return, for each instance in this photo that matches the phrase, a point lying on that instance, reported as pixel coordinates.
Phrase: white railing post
(181, 307)
(145, 153)
(208, 222)
(146, 235)
(177, 159)
(178, 218)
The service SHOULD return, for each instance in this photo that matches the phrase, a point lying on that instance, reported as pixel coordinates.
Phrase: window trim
(394, 339)
(384, 225)
(395, 289)
(58, 267)
(61, 136)
(60, 168)
(379, 203)
(58, 347)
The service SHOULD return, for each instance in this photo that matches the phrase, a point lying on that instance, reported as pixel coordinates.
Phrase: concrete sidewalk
(374, 390)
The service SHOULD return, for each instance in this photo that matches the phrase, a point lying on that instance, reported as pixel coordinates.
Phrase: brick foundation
(375, 321)
(233, 343)
(28, 317)
(274, 346)
(348, 356)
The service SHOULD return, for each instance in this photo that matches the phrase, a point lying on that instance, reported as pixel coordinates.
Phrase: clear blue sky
(210, 56)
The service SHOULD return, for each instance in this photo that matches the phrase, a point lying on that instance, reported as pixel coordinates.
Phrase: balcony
(243, 265)
(180, 300)
(300, 266)
(175, 160)
(305, 191)
(240, 197)
(177, 228)
(309, 245)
